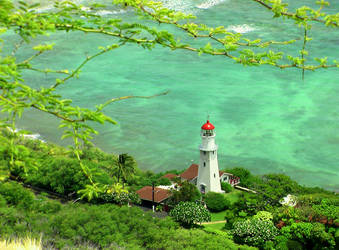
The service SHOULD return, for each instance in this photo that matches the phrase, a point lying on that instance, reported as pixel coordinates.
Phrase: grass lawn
(233, 196)
(218, 226)
(218, 216)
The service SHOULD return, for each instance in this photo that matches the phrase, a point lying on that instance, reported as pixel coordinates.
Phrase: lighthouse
(208, 173)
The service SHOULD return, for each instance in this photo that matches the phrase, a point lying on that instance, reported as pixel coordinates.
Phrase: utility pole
(153, 197)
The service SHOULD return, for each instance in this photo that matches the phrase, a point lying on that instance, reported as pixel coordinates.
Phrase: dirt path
(213, 222)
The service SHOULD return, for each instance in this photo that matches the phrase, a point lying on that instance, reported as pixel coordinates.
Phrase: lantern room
(207, 129)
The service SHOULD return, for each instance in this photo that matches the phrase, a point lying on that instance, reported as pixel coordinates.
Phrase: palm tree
(126, 167)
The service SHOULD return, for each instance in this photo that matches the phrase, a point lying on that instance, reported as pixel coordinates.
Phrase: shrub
(216, 202)
(226, 187)
(309, 234)
(15, 194)
(189, 213)
(276, 186)
(121, 198)
(295, 245)
(264, 216)
(281, 242)
(60, 174)
(327, 209)
(245, 176)
(249, 203)
(254, 232)
(3, 202)
(49, 206)
(164, 182)
(187, 192)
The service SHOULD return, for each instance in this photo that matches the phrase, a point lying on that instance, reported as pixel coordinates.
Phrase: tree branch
(102, 106)
(289, 14)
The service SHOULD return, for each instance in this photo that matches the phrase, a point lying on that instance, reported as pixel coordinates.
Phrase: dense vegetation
(84, 225)
(261, 220)
(56, 169)
(27, 23)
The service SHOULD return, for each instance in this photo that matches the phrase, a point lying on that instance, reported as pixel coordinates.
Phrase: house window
(204, 164)
(204, 152)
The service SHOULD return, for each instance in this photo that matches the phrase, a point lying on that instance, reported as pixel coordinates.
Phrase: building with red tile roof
(191, 173)
(160, 194)
(170, 176)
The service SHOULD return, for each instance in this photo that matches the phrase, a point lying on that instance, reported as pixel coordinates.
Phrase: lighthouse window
(204, 152)
(214, 175)
(213, 152)
(204, 164)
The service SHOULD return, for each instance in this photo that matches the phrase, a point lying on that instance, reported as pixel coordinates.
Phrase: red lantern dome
(207, 126)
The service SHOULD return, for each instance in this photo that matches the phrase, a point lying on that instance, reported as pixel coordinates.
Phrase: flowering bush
(254, 232)
(121, 198)
(189, 213)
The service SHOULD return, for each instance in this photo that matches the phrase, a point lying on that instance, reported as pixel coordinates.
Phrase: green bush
(327, 208)
(309, 235)
(246, 178)
(61, 175)
(3, 202)
(194, 239)
(164, 182)
(226, 187)
(254, 232)
(49, 206)
(274, 187)
(295, 245)
(264, 216)
(16, 195)
(281, 242)
(216, 202)
(189, 213)
(187, 192)
(121, 198)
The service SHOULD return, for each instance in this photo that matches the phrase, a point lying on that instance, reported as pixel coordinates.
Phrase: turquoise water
(266, 119)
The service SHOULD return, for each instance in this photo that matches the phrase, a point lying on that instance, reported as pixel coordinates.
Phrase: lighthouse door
(202, 188)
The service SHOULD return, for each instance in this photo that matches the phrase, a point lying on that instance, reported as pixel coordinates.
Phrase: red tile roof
(160, 194)
(191, 172)
(169, 176)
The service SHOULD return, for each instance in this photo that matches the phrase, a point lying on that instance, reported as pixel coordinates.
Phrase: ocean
(267, 120)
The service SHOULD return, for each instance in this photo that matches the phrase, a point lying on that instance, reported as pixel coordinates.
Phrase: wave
(190, 6)
(242, 28)
(210, 3)
(108, 12)
(34, 137)
(179, 5)
(28, 136)
(44, 9)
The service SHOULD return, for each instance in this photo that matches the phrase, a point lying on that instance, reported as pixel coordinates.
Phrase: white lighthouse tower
(208, 173)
